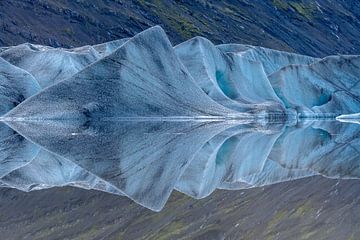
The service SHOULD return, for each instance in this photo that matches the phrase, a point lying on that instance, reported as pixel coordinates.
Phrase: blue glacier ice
(352, 118)
(327, 87)
(144, 76)
(15, 150)
(141, 118)
(271, 60)
(154, 83)
(55, 171)
(15, 86)
(51, 65)
(228, 78)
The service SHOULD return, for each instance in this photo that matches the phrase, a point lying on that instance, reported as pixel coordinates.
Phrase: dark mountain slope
(314, 28)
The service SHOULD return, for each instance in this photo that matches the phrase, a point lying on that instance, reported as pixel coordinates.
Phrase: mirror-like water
(147, 160)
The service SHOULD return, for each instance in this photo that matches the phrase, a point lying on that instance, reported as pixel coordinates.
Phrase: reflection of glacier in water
(139, 118)
(147, 160)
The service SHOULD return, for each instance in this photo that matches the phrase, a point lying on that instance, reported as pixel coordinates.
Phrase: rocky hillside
(316, 28)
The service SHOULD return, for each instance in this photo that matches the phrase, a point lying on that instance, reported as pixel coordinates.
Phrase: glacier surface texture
(140, 118)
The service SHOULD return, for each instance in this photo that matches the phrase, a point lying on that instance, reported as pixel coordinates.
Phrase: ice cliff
(145, 76)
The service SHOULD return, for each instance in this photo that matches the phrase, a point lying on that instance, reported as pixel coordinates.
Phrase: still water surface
(190, 179)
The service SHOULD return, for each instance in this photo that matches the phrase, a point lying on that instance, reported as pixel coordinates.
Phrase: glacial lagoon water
(146, 160)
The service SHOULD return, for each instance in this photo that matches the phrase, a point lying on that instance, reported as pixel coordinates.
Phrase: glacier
(139, 117)
(145, 76)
